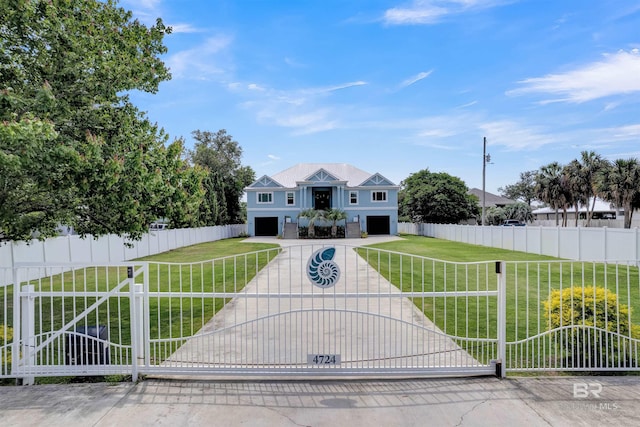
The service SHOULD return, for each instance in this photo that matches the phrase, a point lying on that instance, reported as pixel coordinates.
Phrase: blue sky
(399, 86)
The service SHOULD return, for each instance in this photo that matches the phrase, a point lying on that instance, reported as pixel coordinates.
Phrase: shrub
(6, 337)
(595, 331)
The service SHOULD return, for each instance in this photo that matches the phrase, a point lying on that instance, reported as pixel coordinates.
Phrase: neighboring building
(369, 200)
(492, 200)
(601, 210)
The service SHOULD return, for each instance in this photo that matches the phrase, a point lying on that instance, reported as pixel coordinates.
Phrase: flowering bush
(594, 330)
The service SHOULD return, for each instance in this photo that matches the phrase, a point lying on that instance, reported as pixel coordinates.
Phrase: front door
(322, 199)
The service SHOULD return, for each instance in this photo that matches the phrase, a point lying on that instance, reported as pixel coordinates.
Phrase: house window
(265, 197)
(353, 197)
(291, 199)
(378, 196)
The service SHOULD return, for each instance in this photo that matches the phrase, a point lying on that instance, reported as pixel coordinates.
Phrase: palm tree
(584, 179)
(334, 215)
(580, 189)
(552, 187)
(312, 215)
(620, 184)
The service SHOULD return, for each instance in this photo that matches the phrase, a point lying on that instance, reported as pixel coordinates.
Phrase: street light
(486, 159)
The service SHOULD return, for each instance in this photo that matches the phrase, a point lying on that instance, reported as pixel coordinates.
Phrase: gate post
(136, 324)
(28, 330)
(501, 366)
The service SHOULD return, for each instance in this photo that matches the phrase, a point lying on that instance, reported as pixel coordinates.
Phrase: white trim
(275, 210)
(374, 208)
(293, 198)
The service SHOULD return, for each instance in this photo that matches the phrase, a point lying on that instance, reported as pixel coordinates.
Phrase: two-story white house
(369, 200)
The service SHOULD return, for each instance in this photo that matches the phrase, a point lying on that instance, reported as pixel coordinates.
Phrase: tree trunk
(590, 212)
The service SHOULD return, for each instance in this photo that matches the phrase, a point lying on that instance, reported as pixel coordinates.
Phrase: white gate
(308, 311)
(325, 311)
(71, 320)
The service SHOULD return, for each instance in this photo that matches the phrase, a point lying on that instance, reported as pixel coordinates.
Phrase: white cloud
(199, 62)
(304, 111)
(183, 28)
(432, 11)
(514, 136)
(616, 74)
(629, 132)
(416, 78)
(254, 86)
(334, 88)
(312, 121)
(468, 104)
(293, 63)
(273, 157)
(147, 11)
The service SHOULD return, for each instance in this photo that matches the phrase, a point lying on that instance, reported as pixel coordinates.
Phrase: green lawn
(439, 265)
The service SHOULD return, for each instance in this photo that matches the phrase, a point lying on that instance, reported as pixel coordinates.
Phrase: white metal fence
(230, 316)
(377, 313)
(576, 243)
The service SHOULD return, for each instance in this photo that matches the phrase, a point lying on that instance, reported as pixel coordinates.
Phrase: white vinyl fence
(576, 243)
(108, 249)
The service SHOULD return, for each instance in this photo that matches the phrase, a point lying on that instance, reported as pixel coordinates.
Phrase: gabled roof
(376, 179)
(265, 182)
(492, 199)
(329, 171)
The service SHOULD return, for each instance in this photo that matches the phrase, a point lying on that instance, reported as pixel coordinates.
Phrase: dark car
(513, 223)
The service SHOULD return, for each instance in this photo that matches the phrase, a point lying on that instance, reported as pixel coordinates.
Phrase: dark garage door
(267, 226)
(378, 225)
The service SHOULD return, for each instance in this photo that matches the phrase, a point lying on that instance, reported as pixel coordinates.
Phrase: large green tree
(220, 155)
(436, 198)
(523, 190)
(74, 149)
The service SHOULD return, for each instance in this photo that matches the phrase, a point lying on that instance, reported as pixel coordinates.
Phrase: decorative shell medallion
(321, 269)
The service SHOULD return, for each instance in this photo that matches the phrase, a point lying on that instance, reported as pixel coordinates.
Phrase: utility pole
(486, 158)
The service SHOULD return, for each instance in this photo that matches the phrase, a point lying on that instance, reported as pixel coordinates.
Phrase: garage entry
(267, 226)
(378, 225)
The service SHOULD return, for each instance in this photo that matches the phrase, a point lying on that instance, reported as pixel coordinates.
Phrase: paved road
(429, 402)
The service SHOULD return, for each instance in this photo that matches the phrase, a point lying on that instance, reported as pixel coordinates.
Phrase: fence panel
(572, 316)
(578, 243)
(6, 321)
